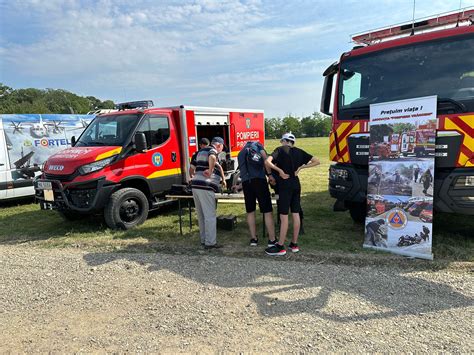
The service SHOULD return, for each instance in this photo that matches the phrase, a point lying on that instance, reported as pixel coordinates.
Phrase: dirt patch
(72, 300)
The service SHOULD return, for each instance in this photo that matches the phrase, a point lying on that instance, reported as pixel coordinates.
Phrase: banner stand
(401, 175)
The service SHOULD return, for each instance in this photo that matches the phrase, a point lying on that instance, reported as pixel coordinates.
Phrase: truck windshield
(108, 130)
(441, 67)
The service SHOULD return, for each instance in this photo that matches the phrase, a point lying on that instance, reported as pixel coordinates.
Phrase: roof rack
(462, 17)
(134, 105)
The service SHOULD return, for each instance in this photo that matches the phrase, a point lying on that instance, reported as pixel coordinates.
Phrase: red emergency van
(125, 162)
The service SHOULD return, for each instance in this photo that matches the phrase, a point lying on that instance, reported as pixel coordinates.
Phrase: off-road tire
(358, 212)
(126, 209)
(71, 215)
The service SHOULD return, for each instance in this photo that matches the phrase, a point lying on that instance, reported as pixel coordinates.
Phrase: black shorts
(289, 197)
(257, 190)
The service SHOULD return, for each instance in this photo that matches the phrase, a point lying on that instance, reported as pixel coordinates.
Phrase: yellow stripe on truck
(109, 153)
(167, 172)
(234, 154)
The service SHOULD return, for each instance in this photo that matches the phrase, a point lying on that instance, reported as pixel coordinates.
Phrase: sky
(255, 54)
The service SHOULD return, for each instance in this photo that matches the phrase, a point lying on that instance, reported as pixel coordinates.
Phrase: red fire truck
(419, 142)
(428, 57)
(125, 162)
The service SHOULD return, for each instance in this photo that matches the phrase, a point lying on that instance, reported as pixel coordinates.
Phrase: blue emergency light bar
(134, 104)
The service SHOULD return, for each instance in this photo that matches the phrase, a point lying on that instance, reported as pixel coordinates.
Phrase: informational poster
(401, 175)
(32, 138)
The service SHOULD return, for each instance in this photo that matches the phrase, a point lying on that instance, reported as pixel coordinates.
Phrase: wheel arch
(139, 183)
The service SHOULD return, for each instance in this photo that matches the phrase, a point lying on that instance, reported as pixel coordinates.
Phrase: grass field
(325, 230)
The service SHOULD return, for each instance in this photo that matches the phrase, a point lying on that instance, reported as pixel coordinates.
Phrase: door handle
(173, 156)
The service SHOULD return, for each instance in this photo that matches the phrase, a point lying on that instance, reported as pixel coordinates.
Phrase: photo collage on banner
(401, 176)
(32, 138)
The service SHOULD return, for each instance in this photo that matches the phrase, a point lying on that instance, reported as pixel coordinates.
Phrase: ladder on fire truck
(464, 17)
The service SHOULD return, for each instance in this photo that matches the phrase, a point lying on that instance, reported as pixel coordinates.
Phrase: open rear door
(3, 163)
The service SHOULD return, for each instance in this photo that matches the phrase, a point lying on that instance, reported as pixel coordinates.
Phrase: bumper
(352, 188)
(81, 197)
(451, 193)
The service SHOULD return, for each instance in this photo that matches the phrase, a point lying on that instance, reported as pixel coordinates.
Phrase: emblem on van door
(247, 123)
(56, 167)
(157, 159)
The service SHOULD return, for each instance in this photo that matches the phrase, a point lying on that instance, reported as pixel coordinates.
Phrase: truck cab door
(404, 142)
(161, 162)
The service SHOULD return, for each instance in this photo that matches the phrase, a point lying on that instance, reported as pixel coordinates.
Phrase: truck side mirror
(140, 142)
(73, 141)
(327, 88)
(326, 95)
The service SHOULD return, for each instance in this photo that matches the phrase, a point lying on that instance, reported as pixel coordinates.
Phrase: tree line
(316, 125)
(43, 101)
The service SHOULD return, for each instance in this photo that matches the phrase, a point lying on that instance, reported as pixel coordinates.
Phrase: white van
(26, 142)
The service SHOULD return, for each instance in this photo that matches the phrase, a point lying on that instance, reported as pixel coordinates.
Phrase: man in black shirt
(288, 161)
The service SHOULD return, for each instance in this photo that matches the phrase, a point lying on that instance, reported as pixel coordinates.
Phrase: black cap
(204, 141)
(218, 140)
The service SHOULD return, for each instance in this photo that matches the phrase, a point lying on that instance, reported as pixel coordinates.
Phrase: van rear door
(4, 164)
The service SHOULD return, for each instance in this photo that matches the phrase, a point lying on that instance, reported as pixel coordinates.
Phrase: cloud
(242, 51)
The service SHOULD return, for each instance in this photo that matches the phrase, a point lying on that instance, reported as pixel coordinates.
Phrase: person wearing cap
(204, 184)
(288, 160)
(253, 174)
(203, 143)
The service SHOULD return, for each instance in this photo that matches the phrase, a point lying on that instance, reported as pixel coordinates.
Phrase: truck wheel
(127, 208)
(358, 212)
(71, 216)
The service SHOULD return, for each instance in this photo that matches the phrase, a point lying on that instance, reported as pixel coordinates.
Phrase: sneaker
(253, 242)
(294, 247)
(271, 242)
(215, 246)
(276, 250)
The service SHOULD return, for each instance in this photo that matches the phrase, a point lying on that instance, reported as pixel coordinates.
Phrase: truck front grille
(61, 178)
(359, 148)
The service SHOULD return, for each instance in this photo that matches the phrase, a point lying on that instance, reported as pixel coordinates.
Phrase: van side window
(156, 129)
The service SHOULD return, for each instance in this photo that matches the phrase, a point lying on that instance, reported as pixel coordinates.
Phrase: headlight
(338, 174)
(97, 165)
(464, 181)
(469, 181)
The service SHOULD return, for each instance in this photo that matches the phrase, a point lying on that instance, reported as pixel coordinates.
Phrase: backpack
(253, 155)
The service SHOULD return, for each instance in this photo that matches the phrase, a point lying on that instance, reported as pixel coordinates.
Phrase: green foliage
(403, 127)
(378, 132)
(273, 128)
(316, 125)
(292, 124)
(32, 100)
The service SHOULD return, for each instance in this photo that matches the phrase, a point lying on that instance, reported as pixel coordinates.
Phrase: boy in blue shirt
(253, 175)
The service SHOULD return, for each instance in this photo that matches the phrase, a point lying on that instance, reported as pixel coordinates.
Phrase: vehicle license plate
(45, 185)
(48, 195)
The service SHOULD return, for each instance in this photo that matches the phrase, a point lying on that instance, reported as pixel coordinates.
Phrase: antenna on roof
(413, 20)
(459, 13)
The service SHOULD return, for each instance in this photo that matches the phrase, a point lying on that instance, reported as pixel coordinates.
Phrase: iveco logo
(56, 167)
